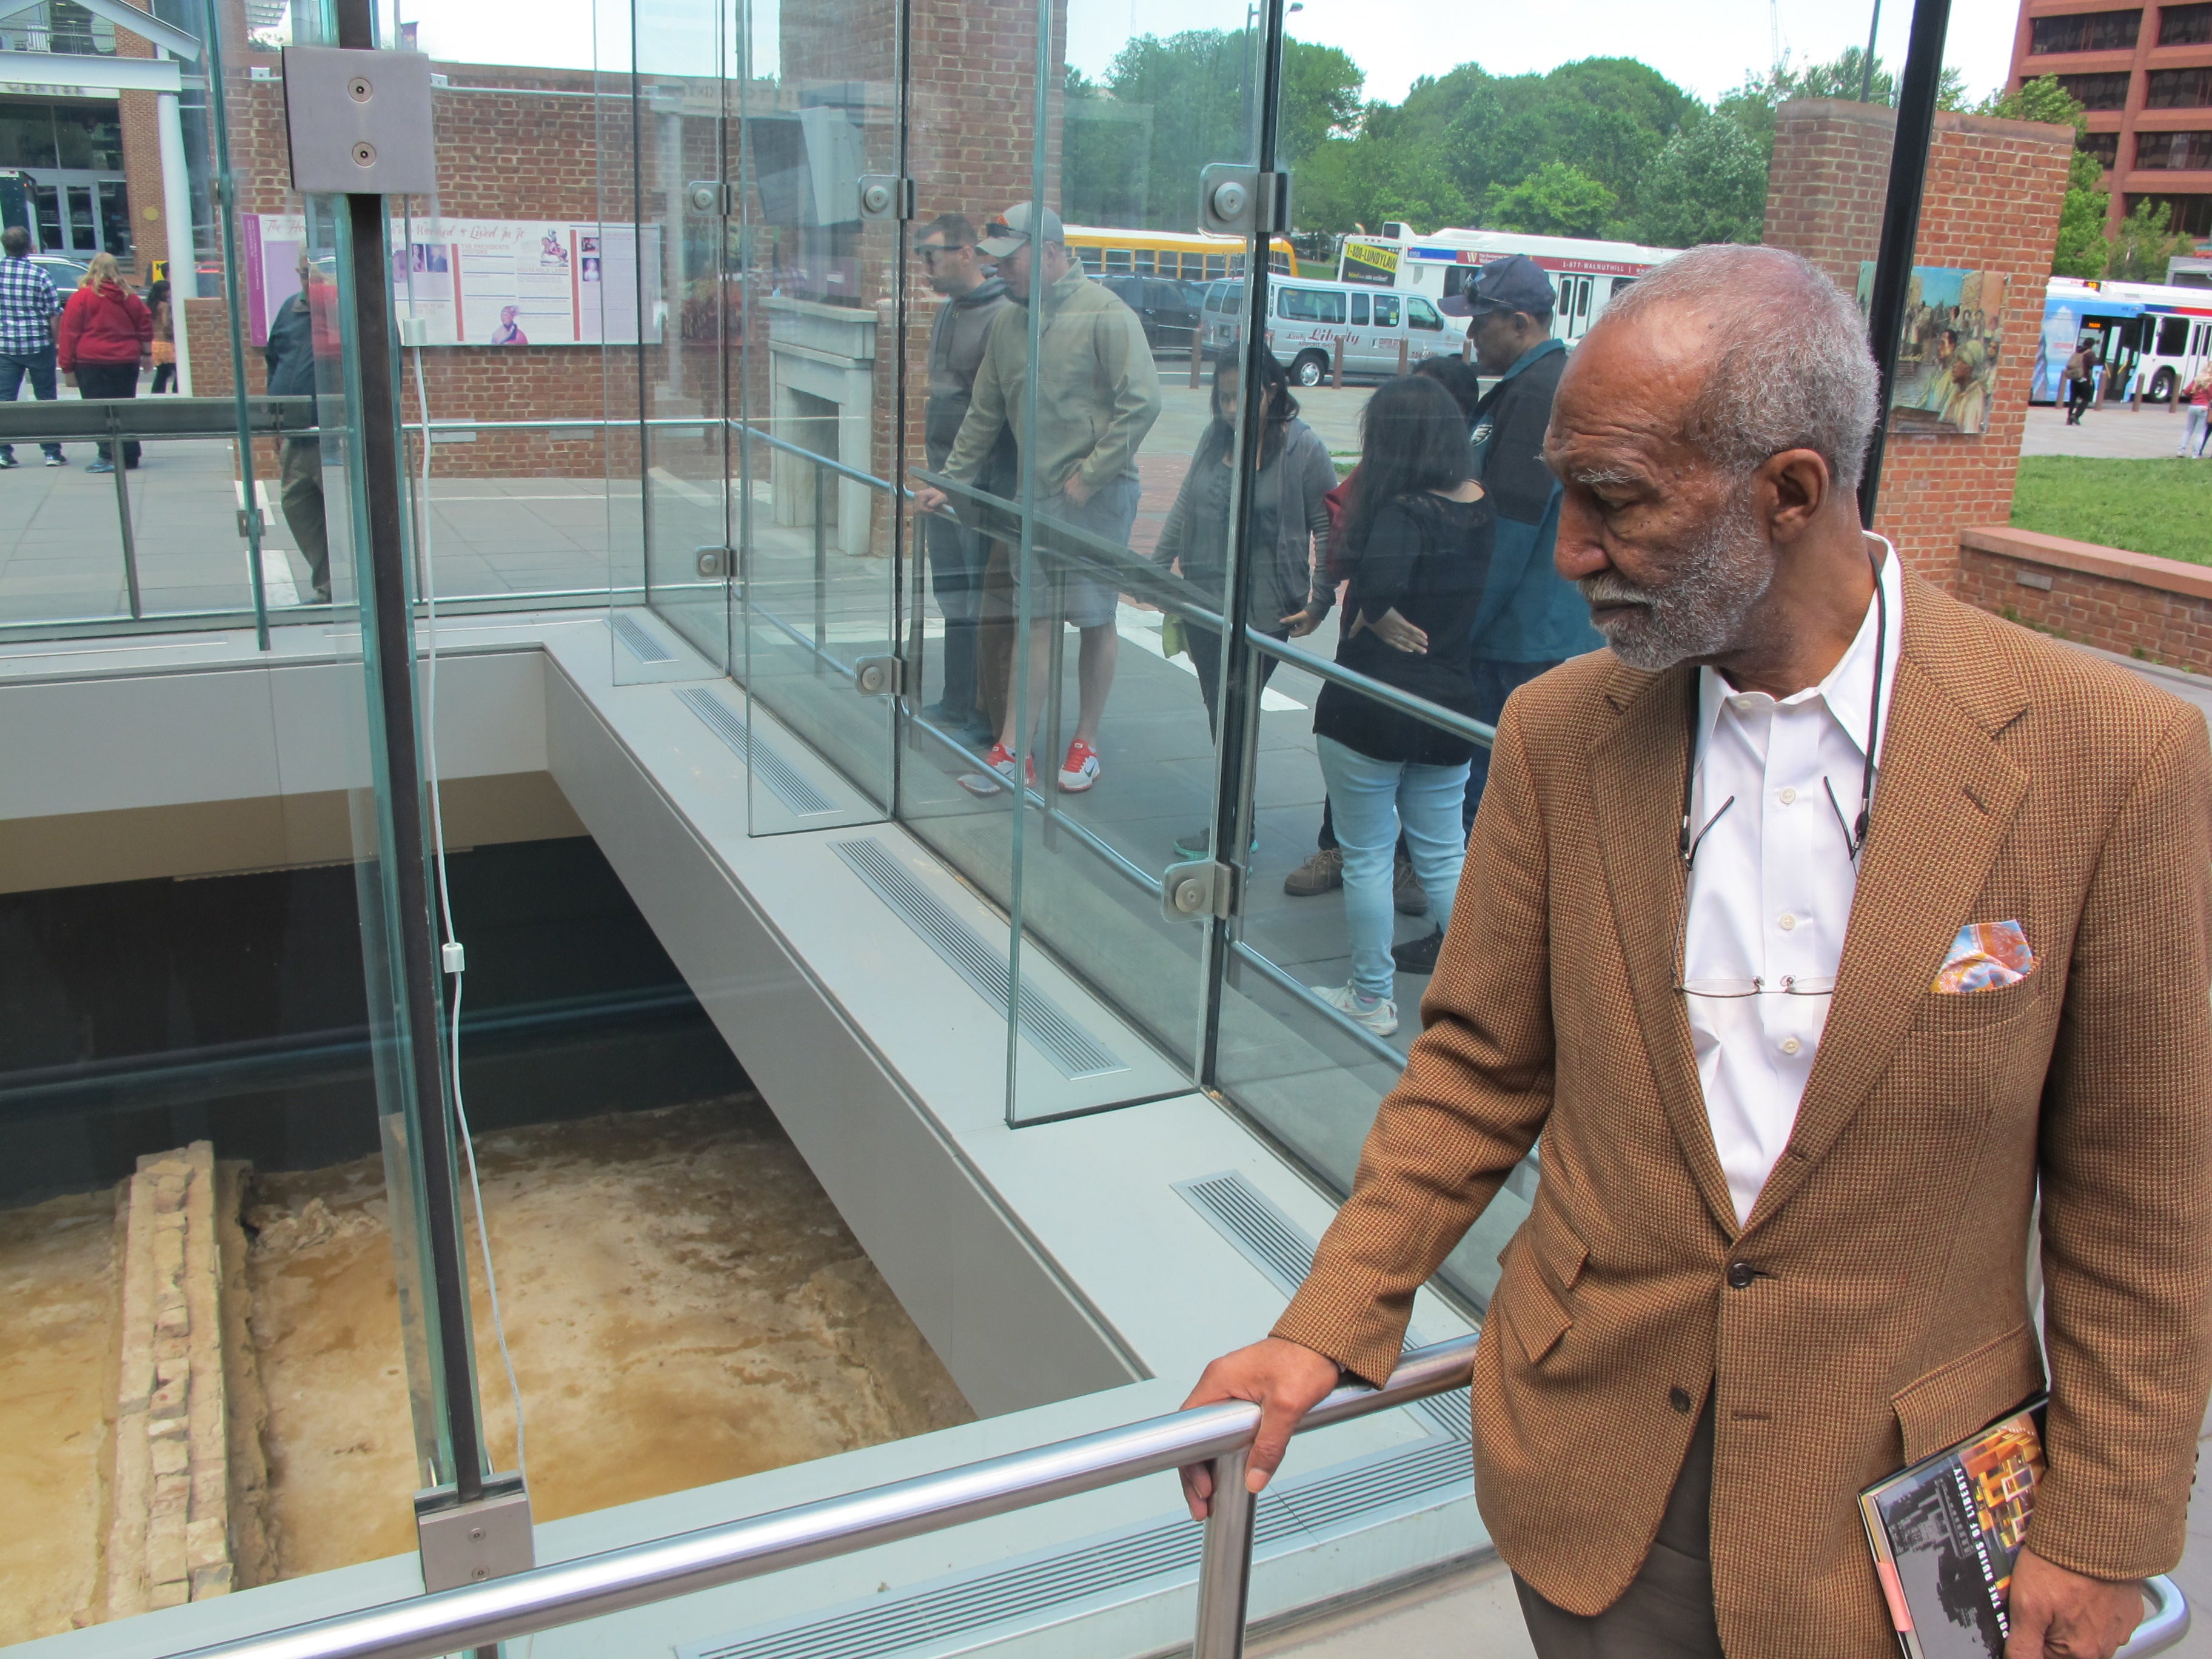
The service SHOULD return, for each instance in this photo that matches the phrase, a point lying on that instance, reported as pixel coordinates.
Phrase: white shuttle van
(1307, 318)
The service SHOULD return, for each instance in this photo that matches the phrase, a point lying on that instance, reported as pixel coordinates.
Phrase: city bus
(1584, 275)
(2154, 335)
(1187, 255)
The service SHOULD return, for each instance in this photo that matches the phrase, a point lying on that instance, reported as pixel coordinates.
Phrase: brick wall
(1990, 203)
(2159, 609)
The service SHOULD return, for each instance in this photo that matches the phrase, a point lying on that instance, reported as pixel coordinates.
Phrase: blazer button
(1740, 1275)
(1679, 1398)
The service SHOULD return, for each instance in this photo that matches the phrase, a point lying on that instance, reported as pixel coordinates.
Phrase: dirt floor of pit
(683, 1305)
(58, 1288)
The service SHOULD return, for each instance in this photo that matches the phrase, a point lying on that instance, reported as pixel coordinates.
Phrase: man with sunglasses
(1819, 928)
(974, 297)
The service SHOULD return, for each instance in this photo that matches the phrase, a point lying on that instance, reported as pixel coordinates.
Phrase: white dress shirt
(1770, 890)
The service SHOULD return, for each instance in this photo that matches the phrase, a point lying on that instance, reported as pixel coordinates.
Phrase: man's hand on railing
(929, 499)
(1284, 1381)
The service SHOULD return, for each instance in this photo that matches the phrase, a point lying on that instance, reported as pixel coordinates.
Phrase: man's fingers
(2031, 1617)
(1277, 1420)
(1197, 1488)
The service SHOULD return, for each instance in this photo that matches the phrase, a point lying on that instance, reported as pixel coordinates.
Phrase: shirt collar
(1848, 688)
(1541, 349)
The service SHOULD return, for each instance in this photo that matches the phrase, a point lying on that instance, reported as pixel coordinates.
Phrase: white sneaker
(1379, 1016)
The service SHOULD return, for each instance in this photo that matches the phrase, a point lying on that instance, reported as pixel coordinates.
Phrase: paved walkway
(2119, 433)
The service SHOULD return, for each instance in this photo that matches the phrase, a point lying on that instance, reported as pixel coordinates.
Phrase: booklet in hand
(1945, 1532)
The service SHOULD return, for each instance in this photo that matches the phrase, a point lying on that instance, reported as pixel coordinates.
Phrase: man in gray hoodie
(973, 296)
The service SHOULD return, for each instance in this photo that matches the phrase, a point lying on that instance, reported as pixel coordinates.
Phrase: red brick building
(2144, 73)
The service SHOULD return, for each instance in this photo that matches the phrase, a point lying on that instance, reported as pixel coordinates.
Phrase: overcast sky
(1705, 46)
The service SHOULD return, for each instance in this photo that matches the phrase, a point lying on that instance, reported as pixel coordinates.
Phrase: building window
(2105, 146)
(2177, 89)
(2184, 26)
(2098, 91)
(89, 136)
(2180, 152)
(2189, 215)
(2086, 31)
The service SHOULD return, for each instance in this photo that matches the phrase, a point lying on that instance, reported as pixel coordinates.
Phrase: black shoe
(1199, 842)
(7, 461)
(1418, 956)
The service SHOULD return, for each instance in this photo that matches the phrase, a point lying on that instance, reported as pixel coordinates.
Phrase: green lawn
(2163, 507)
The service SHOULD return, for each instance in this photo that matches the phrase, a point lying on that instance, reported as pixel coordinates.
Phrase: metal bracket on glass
(1236, 200)
(1197, 890)
(468, 1543)
(711, 197)
(880, 676)
(359, 121)
(886, 196)
(714, 562)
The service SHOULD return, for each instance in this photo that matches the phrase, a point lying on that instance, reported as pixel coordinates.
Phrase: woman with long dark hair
(1416, 543)
(165, 337)
(1286, 532)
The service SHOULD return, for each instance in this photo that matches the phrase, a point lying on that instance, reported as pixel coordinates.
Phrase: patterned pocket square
(1985, 955)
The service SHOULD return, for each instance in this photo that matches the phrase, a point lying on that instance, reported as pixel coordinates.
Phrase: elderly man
(1815, 929)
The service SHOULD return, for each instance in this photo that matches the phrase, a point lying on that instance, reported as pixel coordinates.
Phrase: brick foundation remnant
(2157, 610)
(186, 1483)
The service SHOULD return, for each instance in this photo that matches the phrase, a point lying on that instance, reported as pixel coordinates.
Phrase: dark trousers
(1667, 1611)
(1494, 682)
(301, 497)
(2078, 393)
(956, 557)
(39, 367)
(111, 380)
(1205, 647)
(165, 378)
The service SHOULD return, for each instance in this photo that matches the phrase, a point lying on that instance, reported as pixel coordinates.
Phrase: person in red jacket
(104, 339)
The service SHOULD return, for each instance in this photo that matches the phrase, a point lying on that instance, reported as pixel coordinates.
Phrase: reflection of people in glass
(28, 305)
(305, 327)
(1285, 533)
(1098, 394)
(1417, 541)
(509, 332)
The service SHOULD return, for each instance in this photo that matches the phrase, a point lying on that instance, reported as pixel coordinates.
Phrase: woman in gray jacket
(1286, 531)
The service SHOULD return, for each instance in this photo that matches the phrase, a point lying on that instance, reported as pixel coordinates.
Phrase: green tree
(2082, 250)
(1752, 106)
(2146, 242)
(1555, 200)
(1320, 99)
(1709, 184)
(1105, 156)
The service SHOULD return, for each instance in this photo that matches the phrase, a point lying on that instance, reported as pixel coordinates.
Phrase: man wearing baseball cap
(1098, 394)
(1531, 619)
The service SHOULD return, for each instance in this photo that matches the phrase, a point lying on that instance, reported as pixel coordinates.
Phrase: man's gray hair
(1796, 372)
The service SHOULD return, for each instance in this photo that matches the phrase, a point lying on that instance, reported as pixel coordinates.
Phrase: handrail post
(123, 512)
(821, 573)
(1056, 660)
(1224, 1570)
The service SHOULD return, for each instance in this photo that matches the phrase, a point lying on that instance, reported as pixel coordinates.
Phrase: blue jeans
(1373, 800)
(40, 366)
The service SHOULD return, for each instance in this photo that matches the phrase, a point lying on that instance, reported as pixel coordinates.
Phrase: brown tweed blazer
(2020, 780)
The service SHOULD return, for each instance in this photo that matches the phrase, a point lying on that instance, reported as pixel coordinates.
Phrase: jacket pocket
(1947, 1404)
(1534, 1308)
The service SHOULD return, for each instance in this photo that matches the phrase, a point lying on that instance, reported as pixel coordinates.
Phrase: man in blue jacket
(1531, 619)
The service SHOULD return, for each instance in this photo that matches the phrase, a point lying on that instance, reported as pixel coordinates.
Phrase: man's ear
(1794, 487)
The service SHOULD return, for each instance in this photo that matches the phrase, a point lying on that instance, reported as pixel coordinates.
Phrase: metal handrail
(592, 1586)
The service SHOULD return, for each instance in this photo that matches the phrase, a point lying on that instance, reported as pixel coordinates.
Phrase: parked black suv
(1168, 308)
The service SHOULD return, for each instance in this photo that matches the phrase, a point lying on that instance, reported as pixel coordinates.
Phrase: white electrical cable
(451, 948)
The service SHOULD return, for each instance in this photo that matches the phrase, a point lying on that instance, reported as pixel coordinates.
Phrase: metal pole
(1866, 70)
(821, 574)
(1224, 1563)
(1056, 659)
(388, 620)
(123, 511)
(1900, 218)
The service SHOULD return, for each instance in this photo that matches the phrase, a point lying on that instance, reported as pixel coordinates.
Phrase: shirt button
(1790, 1045)
(1740, 1275)
(1679, 1398)
(1790, 797)
(1787, 921)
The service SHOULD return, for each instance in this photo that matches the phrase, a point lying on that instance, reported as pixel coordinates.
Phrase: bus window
(1279, 261)
(1144, 262)
(1359, 310)
(1420, 313)
(1385, 311)
(1308, 305)
(1091, 257)
(2173, 336)
(1117, 262)
(1217, 266)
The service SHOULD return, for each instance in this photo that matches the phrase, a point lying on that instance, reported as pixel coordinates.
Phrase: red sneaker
(1080, 770)
(1001, 774)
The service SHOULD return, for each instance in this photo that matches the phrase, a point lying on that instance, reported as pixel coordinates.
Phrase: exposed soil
(682, 1303)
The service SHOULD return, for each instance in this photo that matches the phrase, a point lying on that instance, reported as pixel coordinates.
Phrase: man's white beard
(1701, 612)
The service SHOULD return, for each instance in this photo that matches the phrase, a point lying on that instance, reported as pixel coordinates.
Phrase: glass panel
(824, 287)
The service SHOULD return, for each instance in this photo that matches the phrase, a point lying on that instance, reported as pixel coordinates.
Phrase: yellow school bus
(1189, 255)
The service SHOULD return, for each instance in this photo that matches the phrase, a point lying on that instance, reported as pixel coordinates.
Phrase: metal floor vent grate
(1281, 1250)
(1072, 1049)
(637, 638)
(784, 781)
(933, 1618)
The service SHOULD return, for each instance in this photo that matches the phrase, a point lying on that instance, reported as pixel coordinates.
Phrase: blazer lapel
(1944, 801)
(1636, 781)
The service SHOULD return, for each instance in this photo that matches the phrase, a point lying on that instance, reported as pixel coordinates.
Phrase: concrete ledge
(2115, 564)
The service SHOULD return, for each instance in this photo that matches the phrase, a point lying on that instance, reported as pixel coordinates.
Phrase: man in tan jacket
(1815, 928)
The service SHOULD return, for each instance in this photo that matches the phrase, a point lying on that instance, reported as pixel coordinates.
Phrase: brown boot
(1322, 873)
(1406, 891)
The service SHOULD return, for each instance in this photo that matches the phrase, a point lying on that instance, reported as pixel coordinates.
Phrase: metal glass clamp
(711, 197)
(1197, 890)
(880, 676)
(468, 1543)
(1237, 200)
(712, 562)
(359, 122)
(886, 196)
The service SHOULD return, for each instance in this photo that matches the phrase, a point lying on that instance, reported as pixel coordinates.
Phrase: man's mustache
(1610, 588)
